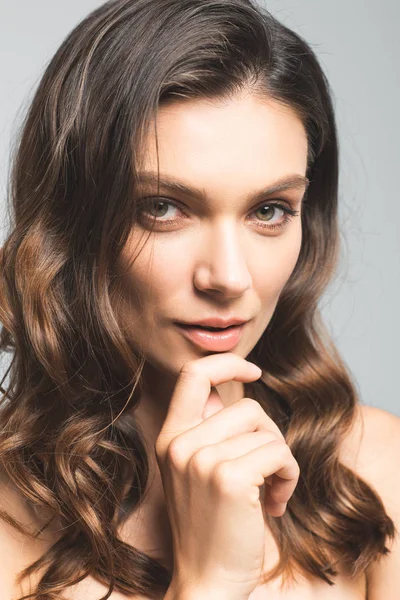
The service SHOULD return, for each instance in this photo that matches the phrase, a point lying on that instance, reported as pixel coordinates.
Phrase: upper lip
(217, 322)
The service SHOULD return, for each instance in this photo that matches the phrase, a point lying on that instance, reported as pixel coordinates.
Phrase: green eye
(266, 207)
(155, 206)
(154, 209)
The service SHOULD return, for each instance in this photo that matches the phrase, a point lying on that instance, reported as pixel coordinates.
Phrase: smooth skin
(216, 258)
(220, 256)
(212, 471)
(227, 250)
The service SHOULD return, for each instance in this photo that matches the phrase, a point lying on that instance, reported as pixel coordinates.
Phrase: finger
(193, 388)
(213, 405)
(208, 456)
(246, 415)
(251, 469)
(275, 509)
(277, 491)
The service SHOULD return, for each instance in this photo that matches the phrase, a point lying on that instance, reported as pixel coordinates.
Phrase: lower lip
(217, 341)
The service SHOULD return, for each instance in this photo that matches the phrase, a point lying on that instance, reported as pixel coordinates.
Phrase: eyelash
(289, 212)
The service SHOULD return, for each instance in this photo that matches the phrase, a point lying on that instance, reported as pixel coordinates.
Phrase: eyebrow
(294, 181)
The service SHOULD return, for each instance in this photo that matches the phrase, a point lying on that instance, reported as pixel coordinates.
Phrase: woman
(177, 173)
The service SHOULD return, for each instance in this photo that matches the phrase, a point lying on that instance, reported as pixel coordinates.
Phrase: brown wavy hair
(69, 440)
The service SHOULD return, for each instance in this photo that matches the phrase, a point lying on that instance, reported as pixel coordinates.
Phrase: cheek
(274, 267)
(156, 274)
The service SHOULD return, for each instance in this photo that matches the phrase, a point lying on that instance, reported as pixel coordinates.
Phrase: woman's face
(218, 252)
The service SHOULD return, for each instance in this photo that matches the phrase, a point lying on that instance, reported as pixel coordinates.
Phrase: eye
(270, 208)
(154, 209)
(158, 208)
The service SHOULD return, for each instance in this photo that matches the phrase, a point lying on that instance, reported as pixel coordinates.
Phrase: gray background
(358, 45)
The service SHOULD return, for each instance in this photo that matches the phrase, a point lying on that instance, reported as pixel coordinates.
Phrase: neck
(148, 528)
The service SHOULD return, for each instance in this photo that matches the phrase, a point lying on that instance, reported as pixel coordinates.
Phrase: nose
(223, 270)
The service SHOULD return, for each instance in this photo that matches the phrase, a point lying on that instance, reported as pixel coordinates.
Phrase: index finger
(193, 388)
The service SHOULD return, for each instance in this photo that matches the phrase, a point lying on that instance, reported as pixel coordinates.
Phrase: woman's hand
(213, 461)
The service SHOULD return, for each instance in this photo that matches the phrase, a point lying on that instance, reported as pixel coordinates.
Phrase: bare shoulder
(372, 450)
(90, 589)
(372, 447)
(18, 551)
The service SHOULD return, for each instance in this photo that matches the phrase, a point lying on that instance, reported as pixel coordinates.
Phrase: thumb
(213, 405)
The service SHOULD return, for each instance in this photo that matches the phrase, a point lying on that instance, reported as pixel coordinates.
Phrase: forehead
(236, 143)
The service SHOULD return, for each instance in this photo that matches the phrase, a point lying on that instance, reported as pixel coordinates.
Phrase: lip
(217, 322)
(217, 341)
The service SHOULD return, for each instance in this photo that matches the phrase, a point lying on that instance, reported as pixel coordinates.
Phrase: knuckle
(256, 411)
(200, 462)
(176, 454)
(224, 478)
(252, 405)
(256, 414)
(297, 468)
(283, 449)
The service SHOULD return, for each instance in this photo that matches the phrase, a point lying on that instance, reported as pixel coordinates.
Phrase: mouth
(217, 339)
